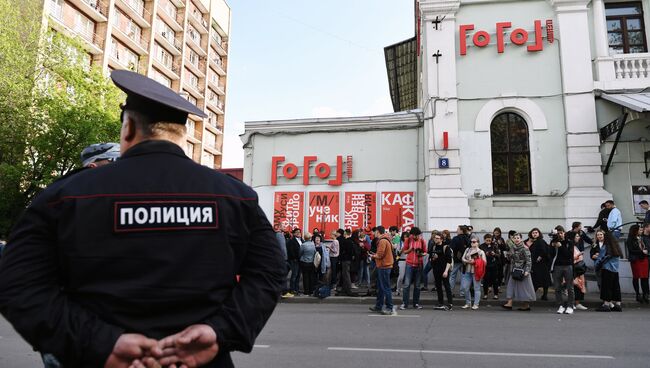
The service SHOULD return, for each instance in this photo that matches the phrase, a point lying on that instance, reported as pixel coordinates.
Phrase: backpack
(479, 268)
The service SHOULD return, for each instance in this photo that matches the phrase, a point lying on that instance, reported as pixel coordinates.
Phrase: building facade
(528, 114)
(183, 44)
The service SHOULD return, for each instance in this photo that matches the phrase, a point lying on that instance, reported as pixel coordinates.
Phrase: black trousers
(440, 282)
(308, 277)
(491, 279)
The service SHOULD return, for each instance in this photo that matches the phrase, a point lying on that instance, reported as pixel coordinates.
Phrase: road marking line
(479, 353)
(262, 346)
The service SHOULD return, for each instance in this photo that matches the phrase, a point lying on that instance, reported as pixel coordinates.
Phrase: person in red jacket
(414, 247)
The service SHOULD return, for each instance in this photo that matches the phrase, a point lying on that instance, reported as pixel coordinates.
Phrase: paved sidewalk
(428, 298)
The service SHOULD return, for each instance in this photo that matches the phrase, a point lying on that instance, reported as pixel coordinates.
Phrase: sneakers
(617, 308)
(287, 295)
(466, 306)
(389, 312)
(449, 307)
(403, 306)
(375, 309)
(440, 307)
(417, 306)
(604, 308)
(561, 310)
(569, 310)
(581, 307)
(484, 297)
(474, 307)
(496, 297)
(423, 288)
(354, 286)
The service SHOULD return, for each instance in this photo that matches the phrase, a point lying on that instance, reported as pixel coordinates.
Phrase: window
(194, 80)
(162, 55)
(194, 58)
(210, 139)
(208, 159)
(510, 155)
(56, 8)
(625, 28)
(158, 76)
(166, 31)
(190, 150)
(84, 26)
(170, 9)
(190, 127)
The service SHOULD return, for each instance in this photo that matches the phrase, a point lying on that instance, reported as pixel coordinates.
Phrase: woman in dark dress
(539, 252)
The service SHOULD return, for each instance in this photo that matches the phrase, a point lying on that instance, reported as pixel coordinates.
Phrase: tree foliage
(52, 105)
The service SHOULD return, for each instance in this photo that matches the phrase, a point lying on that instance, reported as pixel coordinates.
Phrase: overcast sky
(309, 58)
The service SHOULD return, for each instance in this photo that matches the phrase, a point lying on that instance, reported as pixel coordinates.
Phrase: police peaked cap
(152, 99)
(100, 151)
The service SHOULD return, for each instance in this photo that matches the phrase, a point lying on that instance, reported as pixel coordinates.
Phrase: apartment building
(183, 44)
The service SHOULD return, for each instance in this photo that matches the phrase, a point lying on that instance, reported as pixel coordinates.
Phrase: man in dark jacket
(132, 261)
(459, 243)
(293, 256)
(346, 251)
(601, 221)
(562, 270)
(576, 228)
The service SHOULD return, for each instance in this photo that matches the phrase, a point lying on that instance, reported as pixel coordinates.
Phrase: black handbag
(517, 274)
(579, 269)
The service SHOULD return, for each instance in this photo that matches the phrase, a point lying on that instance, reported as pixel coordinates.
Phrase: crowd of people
(392, 264)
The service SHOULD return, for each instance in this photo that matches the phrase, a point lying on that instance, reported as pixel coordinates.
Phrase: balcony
(174, 46)
(217, 64)
(132, 41)
(196, 45)
(199, 23)
(197, 68)
(219, 45)
(136, 12)
(214, 84)
(93, 42)
(623, 71)
(94, 9)
(179, 3)
(214, 128)
(194, 90)
(170, 19)
(216, 104)
(119, 62)
(172, 71)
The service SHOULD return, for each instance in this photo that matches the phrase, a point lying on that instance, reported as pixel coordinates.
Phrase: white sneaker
(561, 310)
(402, 307)
(581, 307)
(465, 306)
(475, 307)
(569, 310)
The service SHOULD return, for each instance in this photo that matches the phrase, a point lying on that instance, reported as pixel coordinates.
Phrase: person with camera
(414, 248)
(562, 270)
(472, 273)
(520, 284)
(607, 263)
(493, 256)
(441, 263)
(638, 257)
(579, 269)
(539, 251)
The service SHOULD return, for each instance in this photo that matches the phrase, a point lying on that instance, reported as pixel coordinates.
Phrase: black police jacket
(150, 244)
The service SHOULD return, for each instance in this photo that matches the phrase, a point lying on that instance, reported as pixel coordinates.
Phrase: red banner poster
(398, 209)
(288, 210)
(323, 212)
(360, 210)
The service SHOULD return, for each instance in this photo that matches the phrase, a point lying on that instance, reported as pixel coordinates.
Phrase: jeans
(384, 295)
(364, 272)
(294, 283)
(563, 274)
(50, 361)
(334, 265)
(411, 276)
(345, 277)
(425, 275)
(401, 265)
(453, 274)
(440, 282)
(467, 281)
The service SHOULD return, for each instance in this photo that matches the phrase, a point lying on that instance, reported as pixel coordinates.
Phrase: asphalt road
(343, 335)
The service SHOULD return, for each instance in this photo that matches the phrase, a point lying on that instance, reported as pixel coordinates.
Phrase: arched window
(510, 155)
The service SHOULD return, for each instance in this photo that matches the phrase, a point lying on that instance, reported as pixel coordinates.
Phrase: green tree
(52, 105)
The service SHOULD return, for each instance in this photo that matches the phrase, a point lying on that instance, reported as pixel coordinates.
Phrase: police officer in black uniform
(136, 262)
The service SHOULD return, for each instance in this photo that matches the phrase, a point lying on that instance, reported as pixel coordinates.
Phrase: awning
(639, 102)
(401, 65)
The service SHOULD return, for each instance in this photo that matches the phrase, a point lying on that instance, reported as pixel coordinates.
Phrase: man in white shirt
(614, 220)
